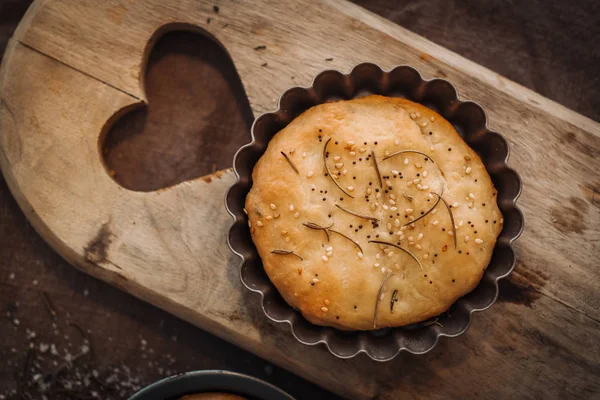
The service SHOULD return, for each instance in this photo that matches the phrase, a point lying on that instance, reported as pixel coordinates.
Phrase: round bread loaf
(351, 211)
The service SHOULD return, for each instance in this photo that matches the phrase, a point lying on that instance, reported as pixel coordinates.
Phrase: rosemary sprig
(408, 151)
(378, 297)
(425, 214)
(393, 300)
(377, 169)
(312, 225)
(416, 152)
(451, 217)
(329, 172)
(399, 248)
(290, 161)
(357, 214)
(49, 304)
(286, 253)
(344, 236)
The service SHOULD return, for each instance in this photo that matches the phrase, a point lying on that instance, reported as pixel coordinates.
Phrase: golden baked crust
(327, 279)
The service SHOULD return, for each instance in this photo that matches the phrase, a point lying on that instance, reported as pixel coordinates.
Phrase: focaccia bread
(351, 209)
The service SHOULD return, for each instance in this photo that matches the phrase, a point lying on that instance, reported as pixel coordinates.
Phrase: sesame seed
(419, 186)
(352, 153)
(409, 211)
(259, 223)
(397, 142)
(432, 119)
(376, 265)
(245, 211)
(325, 309)
(249, 224)
(339, 165)
(425, 187)
(268, 217)
(406, 161)
(435, 222)
(418, 114)
(378, 195)
(329, 253)
(426, 256)
(392, 202)
(450, 233)
(424, 174)
(382, 296)
(386, 153)
(324, 258)
(468, 170)
(389, 226)
(350, 143)
(466, 239)
(411, 243)
(304, 155)
(420, 236)
(434, 211)
(418, 247)
(455, 175)
(409, 184)
(394, 208)
(388, 183)
(386, 207)
(478, 241)
(377, 256)
(296, 215)
(373, 206)
(337, 158)
(326, 302)
(362, 150)
(471, 195)
(309, 174)
(396, 222)
(410, 238)
(273, 206)
(284, 232)
(287, 239)
(397, 266)
(291, 207)
(350, 188)
(424, 124)
(412, 115)
(455, 204)
(470, 205)
(391, 253)
(360, 254)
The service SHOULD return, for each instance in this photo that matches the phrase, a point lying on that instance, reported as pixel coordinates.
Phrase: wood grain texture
(168, 247)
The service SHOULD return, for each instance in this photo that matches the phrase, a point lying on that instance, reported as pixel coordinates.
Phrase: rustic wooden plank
(52, 115)
(300, 37)
(507, 343)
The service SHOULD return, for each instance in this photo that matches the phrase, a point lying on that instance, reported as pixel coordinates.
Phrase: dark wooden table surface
(51, 313)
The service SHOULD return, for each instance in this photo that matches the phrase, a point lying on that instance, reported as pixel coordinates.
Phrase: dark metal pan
(470, 121)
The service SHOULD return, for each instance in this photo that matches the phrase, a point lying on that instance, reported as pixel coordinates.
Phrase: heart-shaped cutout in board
(196, 116)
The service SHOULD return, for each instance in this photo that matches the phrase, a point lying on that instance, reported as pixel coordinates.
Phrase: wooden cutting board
(73, 68)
